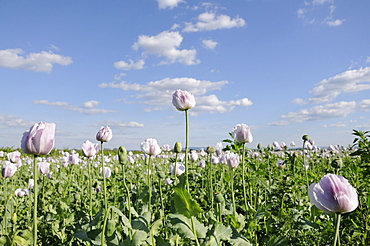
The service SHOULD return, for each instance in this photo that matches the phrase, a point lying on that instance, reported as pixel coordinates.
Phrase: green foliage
(362, 145)
(183, 202)
(278, 210)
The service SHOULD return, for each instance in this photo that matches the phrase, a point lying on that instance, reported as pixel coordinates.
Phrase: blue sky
(285, 68)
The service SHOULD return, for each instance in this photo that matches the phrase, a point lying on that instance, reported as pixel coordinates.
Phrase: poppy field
(224, 194)
(276, 209)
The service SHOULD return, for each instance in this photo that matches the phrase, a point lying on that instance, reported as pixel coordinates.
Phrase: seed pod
(122, 155)
(219, 198)
(177, 148)
(305, 137)
(259, 146)
(337, 163)
(14, 218)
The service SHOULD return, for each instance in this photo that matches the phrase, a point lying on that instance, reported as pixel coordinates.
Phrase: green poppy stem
(89, 187)
(304, 163)
(128, 203)
(104, 226)
(35, 172)
(104, 179)
(105, 194)
(232, 190)
(194, 230)
(150, 182)
(4, 230)
(186, 148)
(243, 178)
(336, 241)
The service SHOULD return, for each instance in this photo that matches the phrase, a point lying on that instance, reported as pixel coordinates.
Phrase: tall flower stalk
(183, 101)
(39, 140)
(336, 240)
(104, 135)
(150, 147)
(243, 178)
(89, 150)
(242, 134)
(187, 148)
(232, 190)
(305, 138)
(232, 160)
(35, 196)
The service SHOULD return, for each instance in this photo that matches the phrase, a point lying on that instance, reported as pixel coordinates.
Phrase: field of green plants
(221, 195)
(259, 199)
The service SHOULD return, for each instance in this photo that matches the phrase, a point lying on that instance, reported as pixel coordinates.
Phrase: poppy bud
(305, 137)
(177, 148)
(122, 155)
(337, 163)
(219, 198)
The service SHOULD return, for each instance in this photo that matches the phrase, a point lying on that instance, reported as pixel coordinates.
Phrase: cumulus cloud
(88, 107)
(90, 104)
(166, 45)
(212, 104)
(159, 93)
(351, 81)
(129, 65)
(322, 112)
(209, 44)
(38, 62)
(210, 21)
(163, 4)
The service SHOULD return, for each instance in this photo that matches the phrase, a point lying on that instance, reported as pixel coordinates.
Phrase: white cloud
(322, 112)
(90, 104)
(163, 4)
(364, 105)
(14, 121)
(209, 44)
(210, 21)
(347, 82)
(321, 2)
(129, 65)
(121, 124)
(166, 45)
(212, 104)
(54, 47)
(279, 123)
(119, 76)
(38, 62)
(86, 108)
(175, 26)
(311, 13)
(331, 22)
(336, 125)
(151, 109)
(159, 93)
(299, 101)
